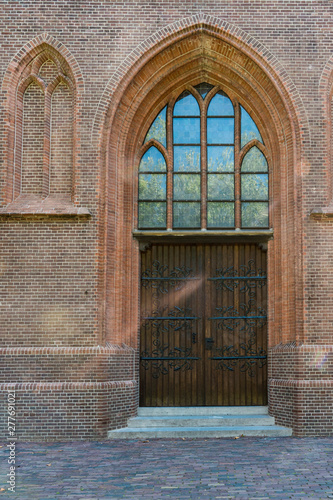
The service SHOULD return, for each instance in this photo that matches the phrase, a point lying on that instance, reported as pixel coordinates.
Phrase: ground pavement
(244, 468)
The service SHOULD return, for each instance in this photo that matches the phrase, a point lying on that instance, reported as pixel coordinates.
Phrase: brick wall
(300, 388)
(72, 281)
(68, 393)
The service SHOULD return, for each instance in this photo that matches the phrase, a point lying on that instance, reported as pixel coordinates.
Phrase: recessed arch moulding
(162, 73)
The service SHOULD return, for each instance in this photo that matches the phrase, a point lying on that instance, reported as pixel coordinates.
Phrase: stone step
(200, 421)
(201, 410)
(199, 432)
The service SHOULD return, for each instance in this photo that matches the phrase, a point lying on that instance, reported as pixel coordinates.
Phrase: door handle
(209, 341)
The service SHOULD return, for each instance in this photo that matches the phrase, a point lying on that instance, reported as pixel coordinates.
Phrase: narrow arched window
(203, 166)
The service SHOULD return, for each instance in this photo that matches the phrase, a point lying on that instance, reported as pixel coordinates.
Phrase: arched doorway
(185, 59)
(203, 178)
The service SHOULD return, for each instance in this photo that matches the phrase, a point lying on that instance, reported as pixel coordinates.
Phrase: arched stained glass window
(254, 189)
(209, 187)
(152, 189)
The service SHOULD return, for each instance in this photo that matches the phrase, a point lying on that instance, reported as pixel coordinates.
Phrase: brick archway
(200, 54)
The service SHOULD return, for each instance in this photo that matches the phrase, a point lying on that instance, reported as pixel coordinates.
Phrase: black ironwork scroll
(177, 319)
(160, 278)
(163, 359)
(247, 356)
(248, 278)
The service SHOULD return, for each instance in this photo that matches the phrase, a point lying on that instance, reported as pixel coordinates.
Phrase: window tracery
(216, 176)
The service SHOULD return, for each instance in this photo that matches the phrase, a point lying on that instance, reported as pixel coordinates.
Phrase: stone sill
(322, 212)
(26, 205)
(236, 235)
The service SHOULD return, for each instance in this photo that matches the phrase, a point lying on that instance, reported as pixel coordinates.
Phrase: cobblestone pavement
(244, 468)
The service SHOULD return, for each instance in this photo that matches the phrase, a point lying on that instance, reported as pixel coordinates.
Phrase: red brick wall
(72, 281)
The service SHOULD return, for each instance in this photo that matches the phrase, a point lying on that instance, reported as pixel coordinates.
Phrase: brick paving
(244, 468)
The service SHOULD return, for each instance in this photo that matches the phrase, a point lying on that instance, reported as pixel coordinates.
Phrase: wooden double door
(203, 325)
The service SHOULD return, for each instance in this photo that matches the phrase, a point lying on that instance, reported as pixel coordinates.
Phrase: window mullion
(169, 129)
(203, 140)
(237, 168)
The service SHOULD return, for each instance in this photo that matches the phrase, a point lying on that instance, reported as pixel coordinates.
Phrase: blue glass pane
(220, 105)
(152, 186)
(220, 214)
(220, 158)
(249, 129)
(186, 215)
(220, 130)
(186, 130)
(220, 187)
(254, 161)
(186, 105)
(186, 186)
(158, 128)
(254, 186)
(186, 158)
(152, 214)
(254, 214)
(152, 161)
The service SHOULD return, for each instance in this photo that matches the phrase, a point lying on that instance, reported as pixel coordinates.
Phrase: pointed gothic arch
(45, 64)
(190, 55)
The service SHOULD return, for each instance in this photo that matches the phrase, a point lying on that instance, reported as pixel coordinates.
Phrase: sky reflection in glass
(249, 129)
(220, 105)
(152, 161)
(220, 130)
(186, 105)
(186, 130)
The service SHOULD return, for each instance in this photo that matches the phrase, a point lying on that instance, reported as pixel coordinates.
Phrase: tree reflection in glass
(152, 189)
(157, 129)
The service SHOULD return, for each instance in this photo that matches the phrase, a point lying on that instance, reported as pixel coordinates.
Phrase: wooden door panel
(171, 326)
(203, 325)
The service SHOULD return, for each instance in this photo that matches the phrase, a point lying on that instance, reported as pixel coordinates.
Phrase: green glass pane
(186, 158)
(220, 130)
(186, 215)
(152, 186)
(152, 161)
(158, 128)
(186, 187)
(249, 129)
(186, 105)
(220, 158)
(254, 214)
(254, 186)
(220, 215)
(220, 186)
(220, 105)
(186, 130)
(152, 215)
(254, 161)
